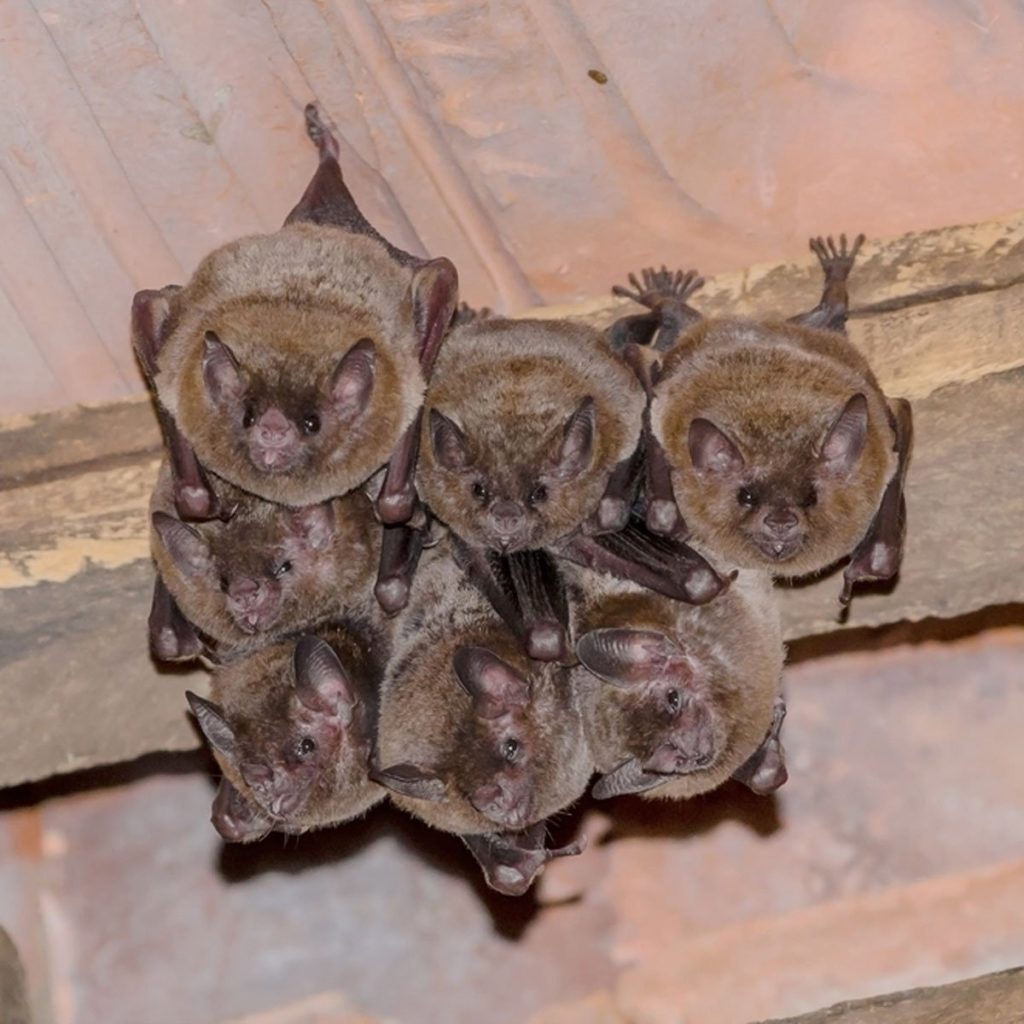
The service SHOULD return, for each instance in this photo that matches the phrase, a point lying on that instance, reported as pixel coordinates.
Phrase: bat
(292, 727)
(679, 698)
(773, 438)
(525, 423)
(474, 737)
(269, 570)
(293, 364)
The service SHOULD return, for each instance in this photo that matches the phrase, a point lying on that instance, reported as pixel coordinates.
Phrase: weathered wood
(75, 574)
(990, 999)
(13, 998)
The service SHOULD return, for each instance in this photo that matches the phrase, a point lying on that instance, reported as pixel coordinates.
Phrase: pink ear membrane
(321, 682)
(353, 379)
(625, 657)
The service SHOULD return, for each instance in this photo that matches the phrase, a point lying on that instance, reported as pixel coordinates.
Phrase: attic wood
(75, 575)
(990, 999)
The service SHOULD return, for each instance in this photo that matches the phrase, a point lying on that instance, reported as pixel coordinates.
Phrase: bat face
(670, 723)
(292, 734)
(291, 361)
(491, 764)
(269, 569)
(525, 422)
(511, 491)
(680, 696)
(779, 462)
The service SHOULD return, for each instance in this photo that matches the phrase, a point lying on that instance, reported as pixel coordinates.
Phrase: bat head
(501, 760)
(267, 570)
(290, 731)
(293, 363)
(525, 422)
(669, 724)
(507, 493)
(780, 447)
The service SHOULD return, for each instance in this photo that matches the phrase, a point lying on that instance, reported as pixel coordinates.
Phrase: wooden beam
(991, 999)
(939, 315)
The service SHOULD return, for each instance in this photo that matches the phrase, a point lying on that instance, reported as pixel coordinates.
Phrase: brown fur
(774, 390)
(258, 700)
(733, 653)
(427, 719)
(511, 386)
(331, 572)
(290, 306)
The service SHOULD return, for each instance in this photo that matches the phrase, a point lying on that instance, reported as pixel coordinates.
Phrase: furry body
(269, 570)
(727, 654)
(429, 721)
(774, 390)
(511, 388)
(302, 760)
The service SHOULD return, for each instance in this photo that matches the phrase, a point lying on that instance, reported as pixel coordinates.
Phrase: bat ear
(220, 371)
(214, 725)
(353, 380)
(629, 657)
(495, 686)
(151, 313)
(410, 780)
(629, 777)
(321, 682)
(711, 451)
(845, 438)
(314, 524)
(187, 548)
(577, 441)
(435, 294)
(449, 442)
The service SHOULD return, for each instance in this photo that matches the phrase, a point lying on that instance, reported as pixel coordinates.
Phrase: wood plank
(991, 999)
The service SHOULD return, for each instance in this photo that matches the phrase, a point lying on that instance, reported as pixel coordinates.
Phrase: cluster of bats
(468, 563)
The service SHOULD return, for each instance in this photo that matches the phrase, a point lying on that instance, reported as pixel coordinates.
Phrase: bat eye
(746, 497)
(282, 569)
(538, 495)
(306, 747)
(674, 699)
(248, 417)
(510, 749)
(704, 760)
(480, 492)
(310, 423)
(810, 499)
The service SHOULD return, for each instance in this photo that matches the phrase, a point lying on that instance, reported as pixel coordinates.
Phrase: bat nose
(274, 429)
(781, 521)
(507, 517)
(244, 593)
(503, 805)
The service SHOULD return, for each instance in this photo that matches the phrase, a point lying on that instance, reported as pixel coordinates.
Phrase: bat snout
(505, 805)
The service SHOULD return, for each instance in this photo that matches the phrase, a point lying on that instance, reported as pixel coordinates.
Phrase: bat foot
(836, 260)
(662, 517)
(396, 508)
(194, 504)
(392, 594)
(320, 135)
(612, 514)
(169, 645)
(546, 641)
(656, 287)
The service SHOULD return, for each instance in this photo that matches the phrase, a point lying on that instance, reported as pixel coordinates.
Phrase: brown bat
(293, 364)
(292, 728)
(269, 570)
(474, 737)
(774, 438)
(525, 422)
(680, 698)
